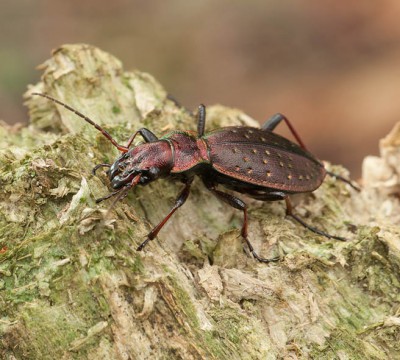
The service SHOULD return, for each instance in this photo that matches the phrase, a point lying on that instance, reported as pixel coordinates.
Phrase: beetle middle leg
(240, 205)
(180, 200)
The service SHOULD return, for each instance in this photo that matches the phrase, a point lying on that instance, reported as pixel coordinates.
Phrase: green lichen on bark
(72, 285)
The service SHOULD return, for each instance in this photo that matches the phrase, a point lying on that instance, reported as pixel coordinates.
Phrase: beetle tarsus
(99, 200)
(341, 178)
(264, 260)
(315, 230)
(180, 200)
(142, 245)
(289, 212)
(258, 257)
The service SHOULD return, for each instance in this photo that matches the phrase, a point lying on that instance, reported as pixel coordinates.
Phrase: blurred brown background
(332, 67)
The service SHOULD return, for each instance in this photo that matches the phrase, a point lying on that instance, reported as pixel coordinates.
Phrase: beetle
(253, 161)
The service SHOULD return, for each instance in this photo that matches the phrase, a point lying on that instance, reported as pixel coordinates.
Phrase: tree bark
(72, 285)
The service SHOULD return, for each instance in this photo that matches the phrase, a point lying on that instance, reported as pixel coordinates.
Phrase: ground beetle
(248, 160)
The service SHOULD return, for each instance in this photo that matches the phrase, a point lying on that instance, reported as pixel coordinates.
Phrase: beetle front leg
(146, 134)
(240, 205)
(180, 200)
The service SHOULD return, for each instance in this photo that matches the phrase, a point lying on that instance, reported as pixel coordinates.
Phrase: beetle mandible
(252, 161)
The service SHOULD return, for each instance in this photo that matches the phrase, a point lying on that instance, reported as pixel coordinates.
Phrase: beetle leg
(274, 120)
(174, 100)
(341, 178)
(147, 135)
(240, 205)
(272, 123)
(180, 200)
(201, 120)
(99, 200)
(289, 212)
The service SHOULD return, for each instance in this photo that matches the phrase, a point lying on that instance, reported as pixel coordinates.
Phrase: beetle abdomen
(264, 158)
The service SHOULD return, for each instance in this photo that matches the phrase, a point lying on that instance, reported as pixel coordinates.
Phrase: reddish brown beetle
(248, 160)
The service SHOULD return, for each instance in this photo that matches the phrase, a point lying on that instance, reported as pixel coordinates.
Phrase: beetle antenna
(87, 119)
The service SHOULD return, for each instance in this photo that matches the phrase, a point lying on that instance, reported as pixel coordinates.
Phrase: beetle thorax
(150, 160)
(189, 151)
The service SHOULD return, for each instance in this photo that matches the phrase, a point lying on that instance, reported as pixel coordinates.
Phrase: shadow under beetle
(252, 161)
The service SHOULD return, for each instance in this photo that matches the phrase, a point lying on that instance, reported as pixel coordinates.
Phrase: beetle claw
(255, 255)
(143, 244)
(264, 260)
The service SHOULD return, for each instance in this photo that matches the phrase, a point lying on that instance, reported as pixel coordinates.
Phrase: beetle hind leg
(289, 212)
(240, 205)
(343, 179)
(272, 123)
(274, 120)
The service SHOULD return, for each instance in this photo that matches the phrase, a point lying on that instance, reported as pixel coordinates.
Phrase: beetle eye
(139, 159)
(154, 172)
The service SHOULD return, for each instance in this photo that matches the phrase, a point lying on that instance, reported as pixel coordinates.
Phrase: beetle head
(149, 160)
